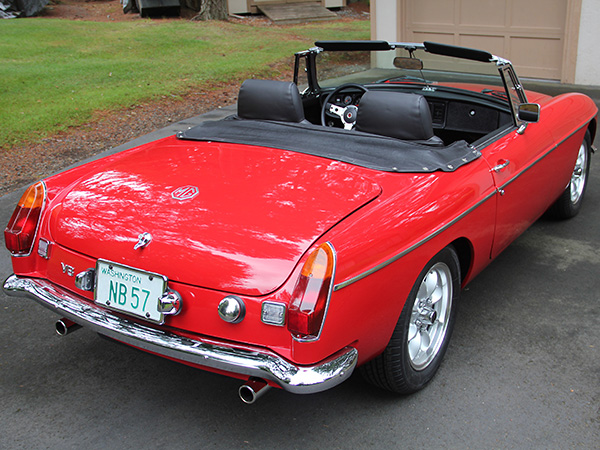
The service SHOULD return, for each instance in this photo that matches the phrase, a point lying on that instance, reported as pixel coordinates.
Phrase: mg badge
(185, 192)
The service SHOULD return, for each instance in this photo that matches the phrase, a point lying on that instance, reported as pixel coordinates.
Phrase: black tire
(569, 203)
(400, 368)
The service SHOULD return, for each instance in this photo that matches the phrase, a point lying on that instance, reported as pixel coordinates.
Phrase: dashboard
(464, 116)
(450, 116)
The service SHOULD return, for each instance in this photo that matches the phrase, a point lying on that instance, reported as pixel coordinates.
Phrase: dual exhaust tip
(252, 390)
(249, 392)
(65, 326)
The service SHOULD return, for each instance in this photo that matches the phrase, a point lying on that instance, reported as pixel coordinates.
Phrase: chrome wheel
(569, 203)
(429, 319)
(578, 178)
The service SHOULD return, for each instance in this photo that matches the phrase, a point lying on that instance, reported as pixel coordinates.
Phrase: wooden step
(295, 12)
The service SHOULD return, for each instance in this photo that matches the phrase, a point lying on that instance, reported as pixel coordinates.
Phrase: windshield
(367, 67)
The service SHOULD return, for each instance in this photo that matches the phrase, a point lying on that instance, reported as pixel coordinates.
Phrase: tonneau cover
(354, 147)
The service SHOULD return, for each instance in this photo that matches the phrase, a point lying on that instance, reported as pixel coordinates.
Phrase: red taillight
(311, 295)
(19, 234)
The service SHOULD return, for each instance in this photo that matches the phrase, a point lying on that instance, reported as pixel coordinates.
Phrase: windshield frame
(513, 89)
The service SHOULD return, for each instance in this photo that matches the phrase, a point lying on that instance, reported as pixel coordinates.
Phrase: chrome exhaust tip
(66, 326)
(252, 390)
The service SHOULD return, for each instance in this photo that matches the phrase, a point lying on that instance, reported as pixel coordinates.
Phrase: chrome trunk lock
(86, 280)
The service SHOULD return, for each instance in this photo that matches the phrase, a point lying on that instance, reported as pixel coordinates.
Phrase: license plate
(129, 290)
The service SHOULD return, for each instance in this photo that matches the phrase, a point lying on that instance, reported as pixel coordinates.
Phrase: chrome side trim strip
(415, 246)
(257, 362)
(525, 169)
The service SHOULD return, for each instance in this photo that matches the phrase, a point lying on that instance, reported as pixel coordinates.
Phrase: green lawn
(56, 73)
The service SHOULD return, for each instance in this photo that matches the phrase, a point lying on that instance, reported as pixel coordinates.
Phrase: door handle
(502, 164)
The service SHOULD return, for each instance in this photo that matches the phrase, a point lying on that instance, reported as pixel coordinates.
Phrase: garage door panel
(539, 14)
(493, 44)
(539, 58)
(435, 12)
(482, 12)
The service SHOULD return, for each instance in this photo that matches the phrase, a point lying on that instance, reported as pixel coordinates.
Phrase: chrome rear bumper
(253, 362)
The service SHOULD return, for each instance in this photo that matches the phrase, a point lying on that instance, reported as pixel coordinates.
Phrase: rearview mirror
(408, 63)
(529, 112)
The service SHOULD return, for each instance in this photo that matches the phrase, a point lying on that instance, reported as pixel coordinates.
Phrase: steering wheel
(347, 114)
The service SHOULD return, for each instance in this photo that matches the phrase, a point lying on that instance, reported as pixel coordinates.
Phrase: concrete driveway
(522, 371)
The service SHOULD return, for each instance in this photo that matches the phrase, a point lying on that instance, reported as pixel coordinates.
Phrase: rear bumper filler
(252, 362)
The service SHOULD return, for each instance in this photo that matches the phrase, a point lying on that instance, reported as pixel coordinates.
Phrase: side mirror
(529, 112)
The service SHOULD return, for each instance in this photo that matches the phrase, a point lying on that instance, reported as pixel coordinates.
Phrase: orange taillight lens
(310, 298)
(19, 234)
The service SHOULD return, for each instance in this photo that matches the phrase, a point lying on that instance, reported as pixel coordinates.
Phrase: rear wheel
(423, 331)
(569, 203)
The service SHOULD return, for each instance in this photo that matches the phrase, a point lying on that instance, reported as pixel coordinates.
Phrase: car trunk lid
(224, 216)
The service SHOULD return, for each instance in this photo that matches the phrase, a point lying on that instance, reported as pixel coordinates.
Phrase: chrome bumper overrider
(260, 363)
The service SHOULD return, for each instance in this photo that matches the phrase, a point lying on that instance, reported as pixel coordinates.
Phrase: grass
(56, 73)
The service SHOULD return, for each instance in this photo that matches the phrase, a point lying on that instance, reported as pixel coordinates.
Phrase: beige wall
(588, 50)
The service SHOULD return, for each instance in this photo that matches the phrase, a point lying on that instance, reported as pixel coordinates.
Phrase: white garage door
(531, 33)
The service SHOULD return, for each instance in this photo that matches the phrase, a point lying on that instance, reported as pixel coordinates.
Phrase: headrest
(270, 100)
(399, 115)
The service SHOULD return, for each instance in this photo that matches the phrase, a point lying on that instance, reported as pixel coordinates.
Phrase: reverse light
(20, 232)
(310, 298)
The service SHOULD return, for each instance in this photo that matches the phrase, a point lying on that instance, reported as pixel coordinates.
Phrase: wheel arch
(464, 251)
(592, 129)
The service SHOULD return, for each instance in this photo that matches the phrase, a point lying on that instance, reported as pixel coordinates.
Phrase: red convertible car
(319, 229)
